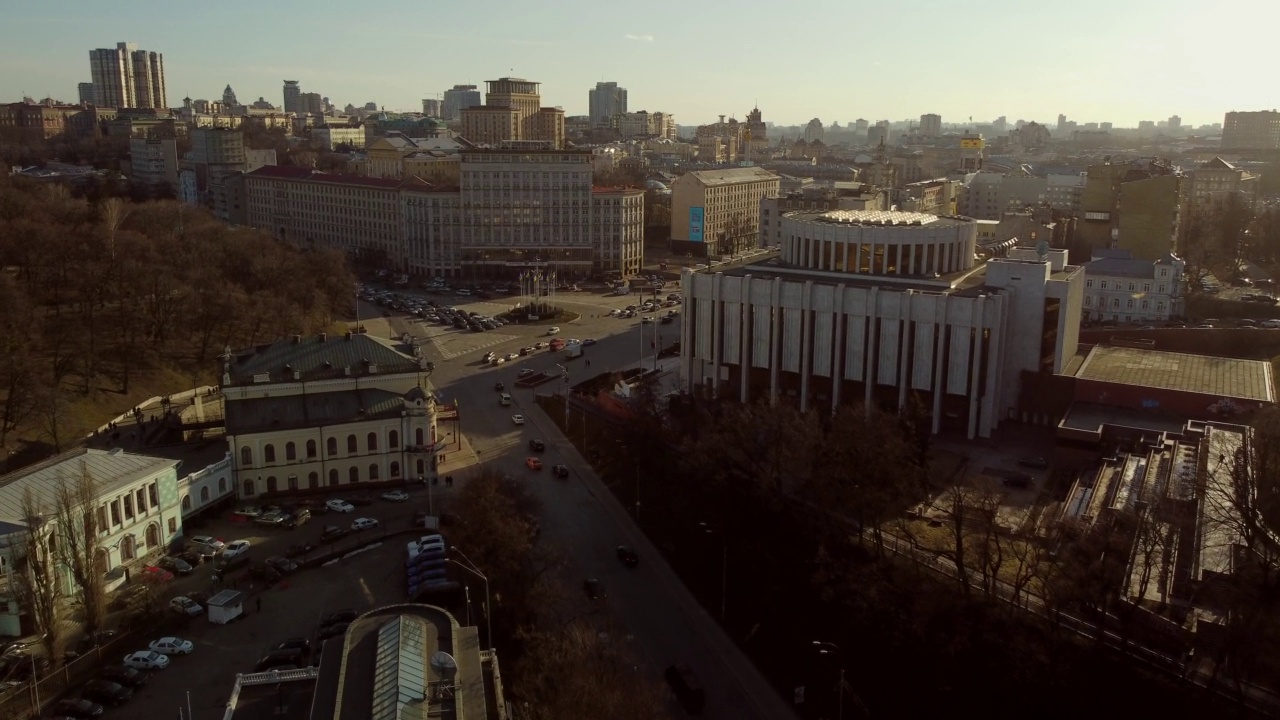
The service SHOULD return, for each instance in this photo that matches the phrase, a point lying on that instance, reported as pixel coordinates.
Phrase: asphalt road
(662, 619)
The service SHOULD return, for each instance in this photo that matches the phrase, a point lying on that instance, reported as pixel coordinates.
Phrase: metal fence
(29, 700)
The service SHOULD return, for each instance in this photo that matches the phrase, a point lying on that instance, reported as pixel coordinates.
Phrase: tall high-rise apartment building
(292, 96)
(1251, 130)
(126, 77)
(604, 102)
(459, 98)
(86, 93)
(516, 93)
(431, 107)
(311, 103)
(931, 125)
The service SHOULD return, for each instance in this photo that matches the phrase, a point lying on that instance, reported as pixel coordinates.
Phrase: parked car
(537, 445)
(332, 533)
(1034, 462)
(628, 556)
(275, 518)
(553, 331)
(229, 565)
(279, 659)
(344, 615)
(282, 564)
(1018, 480)
(301, 644)
(155, 575)
(299, 550)
(106, 692)
(361, 500)
(206, 542)
(364, 523)
(338, 505)
(249, 512)
(395, 496)
(525, 372)
(296, 518)
(235, 549)
(172, 646)
(125, 675)
(186, 606)
(332, 631)
(146, 660)
(77, 708)
(175, 564)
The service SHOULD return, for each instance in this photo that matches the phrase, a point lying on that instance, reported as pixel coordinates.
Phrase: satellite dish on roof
(443, 663)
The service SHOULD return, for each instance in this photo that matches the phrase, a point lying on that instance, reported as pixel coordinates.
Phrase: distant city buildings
(513, 112)
(431, 107)
(1133, 206)
(458, 98)
(1251, 130)
(1215, 181)
(292, 96)
(229, 98)
(644, 124)
(605, 101)
(126, 77)
(153, 163)
(85, 92)
(930, 125)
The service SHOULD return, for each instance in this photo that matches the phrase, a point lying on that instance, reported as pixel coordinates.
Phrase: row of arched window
(204, 495)
(335, 478)
(331, 447)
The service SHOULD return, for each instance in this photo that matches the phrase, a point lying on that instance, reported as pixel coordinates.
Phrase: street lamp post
(724, 563)
(471, 567)
(830, 648)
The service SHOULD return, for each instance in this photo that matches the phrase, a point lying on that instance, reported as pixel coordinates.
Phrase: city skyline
(851, 64)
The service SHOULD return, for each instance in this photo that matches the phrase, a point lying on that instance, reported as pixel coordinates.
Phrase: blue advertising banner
(695, 224)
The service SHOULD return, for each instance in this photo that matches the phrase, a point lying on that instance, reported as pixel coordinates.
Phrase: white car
(646, 319)
(525, 372)
(235, 549)
(172, 646)
(147, 660)
(186, 606)
(553, 331)
(615, 312)
(540, 345)
(395, 496)
(513, 356)
(338, 505)
(573, 341)
(206, 542)
(517, 419)
(364, 524)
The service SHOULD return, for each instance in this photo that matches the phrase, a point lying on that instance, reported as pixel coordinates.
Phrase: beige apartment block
(717, 212)
(491, 124)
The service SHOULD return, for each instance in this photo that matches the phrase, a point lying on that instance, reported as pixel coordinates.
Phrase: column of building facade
(745, 336)
(717, 337)
(941, 330)
(838, 349)
(871, 347)
(774, 338)
(806, 343)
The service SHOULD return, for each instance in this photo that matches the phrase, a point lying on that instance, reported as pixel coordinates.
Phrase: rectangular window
(141, 496)
(173, 525)
(1104, 284)
(1088, 283)
(152, 492)
(128, 507)
(1146, 287)
(102, 518)
(115, 512)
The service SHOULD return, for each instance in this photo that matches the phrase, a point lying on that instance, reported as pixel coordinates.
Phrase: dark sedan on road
(537, 446)
(125, 675)
(628, 556)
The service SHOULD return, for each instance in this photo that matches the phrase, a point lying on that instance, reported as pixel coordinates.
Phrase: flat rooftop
(878, 218)
(260, 699)
(1204, 374)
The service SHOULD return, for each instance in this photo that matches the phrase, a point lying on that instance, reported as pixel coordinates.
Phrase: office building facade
(717, 212)
(930, 125)
(292, 96)
(1251, 130)
(510, 210)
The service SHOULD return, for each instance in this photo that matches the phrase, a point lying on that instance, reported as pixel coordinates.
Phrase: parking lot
(291, 608)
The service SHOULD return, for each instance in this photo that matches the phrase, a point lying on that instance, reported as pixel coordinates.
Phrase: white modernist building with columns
(874, 307)
(311, 412)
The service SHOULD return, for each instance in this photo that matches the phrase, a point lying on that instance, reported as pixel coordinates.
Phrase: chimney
(324, 337)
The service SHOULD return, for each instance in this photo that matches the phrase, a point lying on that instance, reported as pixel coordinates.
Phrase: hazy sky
(1095, 60)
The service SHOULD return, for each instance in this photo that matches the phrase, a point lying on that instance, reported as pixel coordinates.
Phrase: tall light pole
(471, 567)
(724, 563)
(564, 375)
(831, 649)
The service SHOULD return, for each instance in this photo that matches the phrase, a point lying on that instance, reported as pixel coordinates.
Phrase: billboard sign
(696, 215)
(971, 143)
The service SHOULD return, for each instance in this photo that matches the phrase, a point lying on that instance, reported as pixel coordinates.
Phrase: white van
(504, 399)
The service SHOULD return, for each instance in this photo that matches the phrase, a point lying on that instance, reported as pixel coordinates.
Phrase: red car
(533, 463)
(153, 574)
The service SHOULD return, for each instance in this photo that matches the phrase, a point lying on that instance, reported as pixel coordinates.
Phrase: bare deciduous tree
(35, 583)
(79, 542)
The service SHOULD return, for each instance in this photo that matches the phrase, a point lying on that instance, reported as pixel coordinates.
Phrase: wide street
(662, 619)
